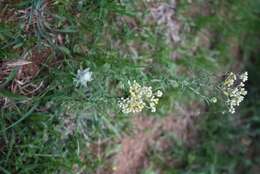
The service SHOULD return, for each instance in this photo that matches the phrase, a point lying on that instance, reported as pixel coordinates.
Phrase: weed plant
(53, 130)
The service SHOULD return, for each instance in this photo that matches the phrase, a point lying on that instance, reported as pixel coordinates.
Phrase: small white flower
(153, 109)
(83, 77)
(244, 77)
(159, 93)
(147, 91)
(214, 100)
(241, 84)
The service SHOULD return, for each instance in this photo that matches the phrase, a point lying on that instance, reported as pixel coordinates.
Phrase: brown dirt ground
(133, 155)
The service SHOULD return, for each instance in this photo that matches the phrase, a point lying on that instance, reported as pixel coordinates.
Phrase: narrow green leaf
(12, 96)
(10, 77)
(22, 118)
(64, 50)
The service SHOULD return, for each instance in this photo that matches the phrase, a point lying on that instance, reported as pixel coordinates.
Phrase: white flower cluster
(234, 89)
(83, 77)
(140, 97)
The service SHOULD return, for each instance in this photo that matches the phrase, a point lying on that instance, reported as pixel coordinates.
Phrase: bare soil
(133, 156)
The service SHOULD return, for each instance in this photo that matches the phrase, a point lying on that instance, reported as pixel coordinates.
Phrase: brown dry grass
(28, 67)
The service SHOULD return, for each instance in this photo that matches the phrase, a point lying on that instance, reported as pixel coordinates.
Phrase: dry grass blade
(18, 63)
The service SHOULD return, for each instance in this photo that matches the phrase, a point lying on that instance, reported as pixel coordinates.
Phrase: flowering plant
(234, 89)
(140, 97)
